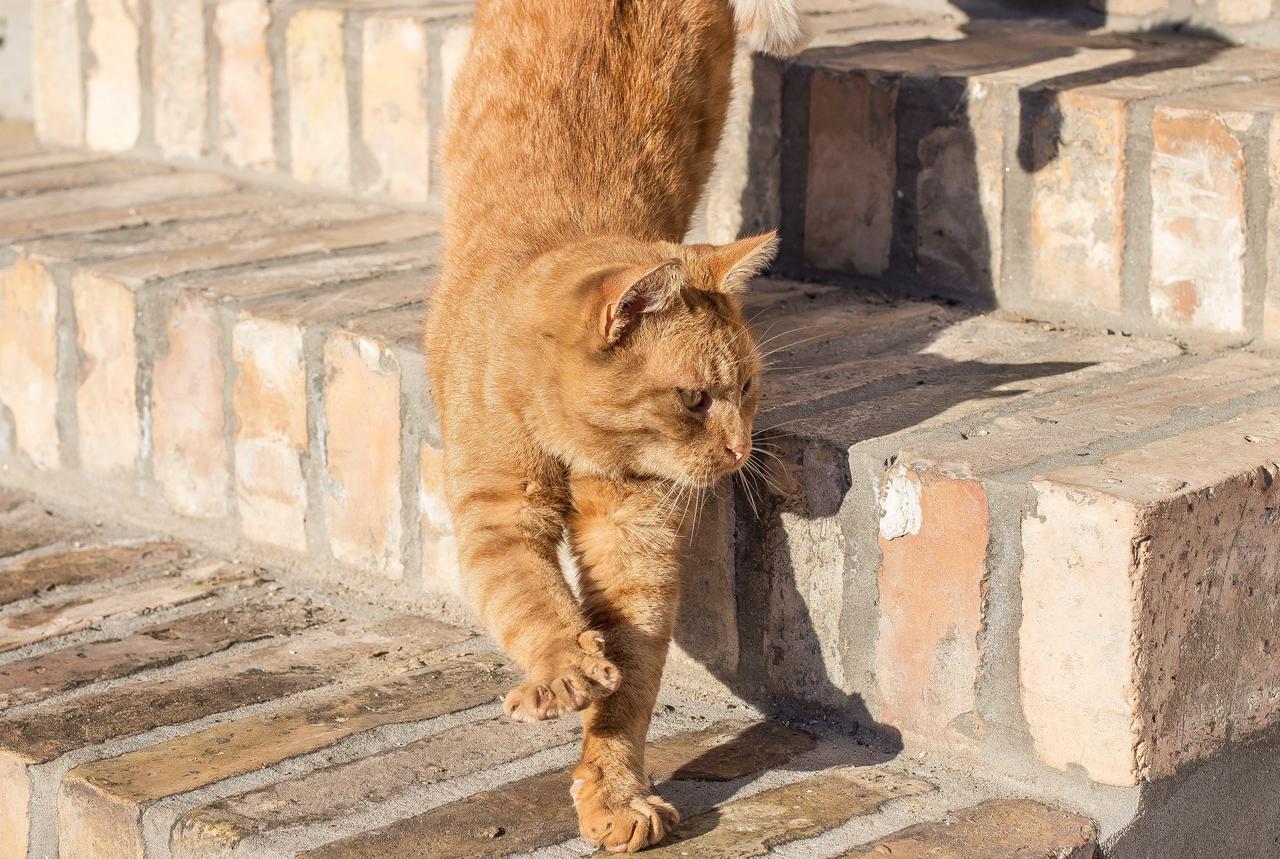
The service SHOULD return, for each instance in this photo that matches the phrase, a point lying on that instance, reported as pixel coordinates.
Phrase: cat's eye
(694, 401)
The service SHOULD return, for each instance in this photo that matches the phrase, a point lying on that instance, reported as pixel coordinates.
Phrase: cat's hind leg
(628, 554)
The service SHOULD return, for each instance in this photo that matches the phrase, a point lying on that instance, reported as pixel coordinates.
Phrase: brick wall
(15, 59)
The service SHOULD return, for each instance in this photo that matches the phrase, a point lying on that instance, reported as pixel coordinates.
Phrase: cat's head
(656, 373)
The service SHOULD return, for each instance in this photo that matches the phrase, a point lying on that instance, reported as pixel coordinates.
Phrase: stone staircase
(1019, 543)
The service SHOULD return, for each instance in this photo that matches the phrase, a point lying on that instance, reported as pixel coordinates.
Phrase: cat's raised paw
(564, 682)
(620, 821)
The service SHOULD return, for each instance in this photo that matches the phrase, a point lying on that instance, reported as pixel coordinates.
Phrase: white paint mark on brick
(900, 512)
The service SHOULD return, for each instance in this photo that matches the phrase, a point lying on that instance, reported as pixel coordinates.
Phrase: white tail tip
(773, 26)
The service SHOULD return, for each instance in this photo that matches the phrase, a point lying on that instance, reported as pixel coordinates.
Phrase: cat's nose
(738, 451)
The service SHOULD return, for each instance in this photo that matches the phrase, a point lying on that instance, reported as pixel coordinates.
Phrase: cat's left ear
(734, 264)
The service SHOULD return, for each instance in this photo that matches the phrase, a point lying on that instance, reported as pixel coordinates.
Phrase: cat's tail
(774, 26)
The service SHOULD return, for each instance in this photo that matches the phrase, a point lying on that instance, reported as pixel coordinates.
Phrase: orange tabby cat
(591, 372)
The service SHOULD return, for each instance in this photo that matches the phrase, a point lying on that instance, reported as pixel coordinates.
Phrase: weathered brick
(58, 91)
(179, 77)
(1133, 7)
(245, 104)
(932, 585)
(29, 356)
(359, 786)
(121, 205)
(999, 829)
(1078, 203)
(848, 213)
(101, 804)
(1244, 11)
(1199, 229)
(75, 176)
(362, 453)
(311, 661)
(802, 809)
(45, 159)
(113, 85)
(319, 127)
(34, 679)
(58, 617)
(270, 403)
(46, 573)
(190, 455)
(395, 124)
(1271, 305)
(31, 526)
(1141, 619)
(106, 397)
(441, 572)
(533, 812)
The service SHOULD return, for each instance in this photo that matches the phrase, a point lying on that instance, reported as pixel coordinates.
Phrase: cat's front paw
(564, 680)
(620, 817)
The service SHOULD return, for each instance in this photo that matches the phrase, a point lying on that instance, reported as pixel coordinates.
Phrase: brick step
(981, 535)
(264, 721)
(1109, 178)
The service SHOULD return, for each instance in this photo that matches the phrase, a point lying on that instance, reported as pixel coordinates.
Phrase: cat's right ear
(633, 292)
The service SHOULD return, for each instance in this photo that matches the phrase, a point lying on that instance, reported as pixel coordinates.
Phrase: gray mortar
(1257, 191)
(277, 51)
(68, 376)
(314, 462)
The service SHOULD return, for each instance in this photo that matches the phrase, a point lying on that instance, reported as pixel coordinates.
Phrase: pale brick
(394, 123)
(1134, 7)
(1198, 218)
(848, 214)
(441, 572)
(107, 396)
(359, 786)
(453, 53)
(999, 829)
(113, 85)
(1140, 618)
(362, 453)
(270, 404)
(1078, 204)
(190, 455)
(29, 356)
(803, 809)
(101, 804)
(932, 581)
(58, 91)
(535, 812)
(1244, 11)
(179, 77)
(319, 127)
(45, 159)
(245, 104)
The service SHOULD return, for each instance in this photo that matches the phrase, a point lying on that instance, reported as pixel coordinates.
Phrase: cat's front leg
(509, 515)
(628, 552)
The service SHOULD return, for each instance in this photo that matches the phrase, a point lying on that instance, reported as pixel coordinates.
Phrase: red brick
(113, 84)
(362, 453)
(1140, 616)
(179, 77)
(932, 588)
(852, 172)
(190, 453)
(58, 91)
(394, 123)
(319, 127)
(29, 355)
(245, 104)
